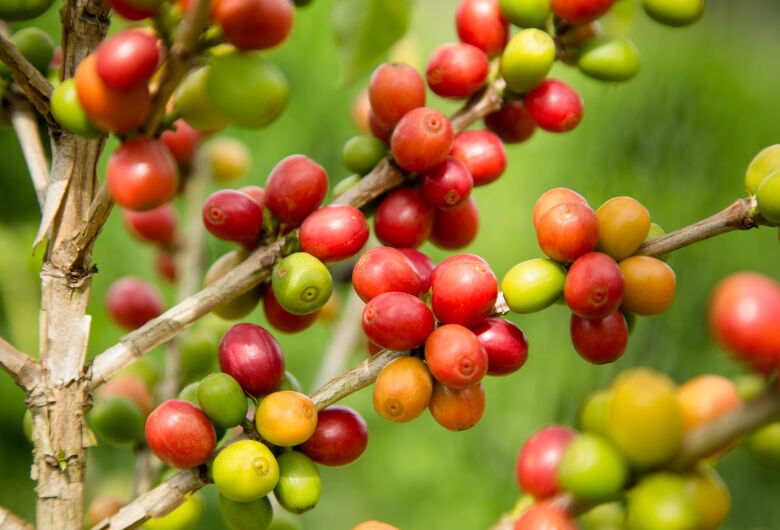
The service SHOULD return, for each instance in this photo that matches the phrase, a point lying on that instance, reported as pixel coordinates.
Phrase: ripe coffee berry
(334, 233)
(155, 226)
(464, 293)
(254, 24)
(599, 341)
(455, 356)
(457, 70)
(180, 434)
(397, 321)
(141, 174)
(394, 90)
(512, 123)
(403, 390)
(253, 357)
(131, 302)
(404, 219)
(457, 410)
(181, 141)
(593, 286)
(551, 198)
(127, 59)
(555, 106)
(479, 23)
(457, 227)
(421, 140)
(424, 266)
(281, 319)
(505, 344)
(339, 439)
(232, 215)
(567, 231)
(580, 11)
(457, 258)
(380, 131)
(384, 269)
(295, 188)
(483, 154)
(537, 463)
(547, 516)
(446, 185)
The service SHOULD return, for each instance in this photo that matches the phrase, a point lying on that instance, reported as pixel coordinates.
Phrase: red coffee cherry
(568, 230)
(256, 192)
(281, 319)
(295, 188)
(483, 154)
(232, 216)
(457, 227)
(373, 349)
(254, 24)
(253, 357)
(334, 233)
(131, 11)
(131, 302)
(181, 141)
(154, 226)
(457, 258)
(512, 123)
(421, 140)
(455, 356)
(340, 437)
(505, 344)
(457, 70)
(424, 266)
(446, 185)
(404, 219)
(382, 270)
(546, 516)
(551, 198)
(127, 59)
(457, 410)
(180, 434)
(464, 293)
(141, 174)
(593, 286)
(380, 131)
(394, 90)
(579, 12)
(599, 341)
(397, 321)
(479, 23)
(537, 463)
(555, 106)
(165, 264)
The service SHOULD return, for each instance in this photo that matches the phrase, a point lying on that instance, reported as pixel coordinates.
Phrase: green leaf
(365, 29)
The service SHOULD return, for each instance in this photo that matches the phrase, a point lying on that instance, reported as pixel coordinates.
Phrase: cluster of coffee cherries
(591, 266)
(617, 468)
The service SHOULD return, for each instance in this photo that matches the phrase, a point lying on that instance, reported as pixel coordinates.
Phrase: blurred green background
(678, 138)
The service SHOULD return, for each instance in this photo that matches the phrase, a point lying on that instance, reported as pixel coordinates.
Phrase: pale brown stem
(178, 63)
(484, 102)
(9, 521)
(345, 338)
(26, 128)
(20, 366)
(33, 83)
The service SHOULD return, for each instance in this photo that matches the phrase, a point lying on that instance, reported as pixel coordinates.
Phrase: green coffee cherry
(593, 413)
(290, 382)
(362, 153)
(253, 515)
(147, 368)
(662, 502)
(190, 393)
(344, 184)
(630, 319)
(609, 58)
(36, 46)
(749, 386)
(23, 9)
(194, 105)
(607, 516)
(241, 305)
(592, 469)
(185, 517)
(299, 486)
(222, 399)
(763, 164)
(301, 283)
(527, 59)
(526, 13)
(768, 198)
(674, 12)
(116, 420)
(764, 444)
(198, 356)
(533, 285)
(245, 471)
(66, 108)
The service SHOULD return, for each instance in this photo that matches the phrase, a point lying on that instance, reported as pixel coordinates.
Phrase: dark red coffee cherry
(131, 302)
(397, 321)
(512, 123)
(182, 141)
(155, 226)
(232, 215)
(599, 341)
(483, 154)
(455, 356)
(464, 293)
(394, 90)
(253, 357)
(424, 266)
(382, 270)
(404, 219)
(555, 106)
(281, 319)
(479, 23)
(340, 437)
(132, 10)
(254, 24)
(593, 286)
(165, 264)
(457, 70)
(421, 140)
(457, 227)
(334, 233)
(447, 185)
(505, 344)
(295, 188)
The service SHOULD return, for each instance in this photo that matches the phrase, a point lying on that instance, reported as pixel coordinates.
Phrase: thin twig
(35, 86)
(26, 127)
(21, 367)
(343, 341)
(9, 521)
